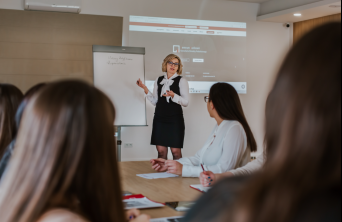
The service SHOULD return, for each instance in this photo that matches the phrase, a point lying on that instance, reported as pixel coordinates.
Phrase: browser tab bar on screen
(187, 26)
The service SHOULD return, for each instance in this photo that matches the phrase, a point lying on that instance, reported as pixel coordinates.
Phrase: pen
(208, 177)
(203, 167)
(131, 217)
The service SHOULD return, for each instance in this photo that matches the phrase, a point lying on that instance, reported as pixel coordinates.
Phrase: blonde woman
(170, 93)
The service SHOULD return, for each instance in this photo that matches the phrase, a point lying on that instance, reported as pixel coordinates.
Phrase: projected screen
(211, 51)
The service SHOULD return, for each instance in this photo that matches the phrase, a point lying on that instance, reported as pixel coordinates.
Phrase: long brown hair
(65, 151)
(303, 132)
(228, 106)
(10, 98)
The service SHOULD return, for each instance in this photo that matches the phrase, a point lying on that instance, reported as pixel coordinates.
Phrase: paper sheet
(201, 188)
(152, 176)
(141, 203)
(168, 219)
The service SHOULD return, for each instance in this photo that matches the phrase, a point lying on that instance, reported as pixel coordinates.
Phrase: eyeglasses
(206, 99)
(171, 63)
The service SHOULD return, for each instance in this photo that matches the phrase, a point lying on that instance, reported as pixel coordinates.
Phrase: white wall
(267, 45)
(279, 5)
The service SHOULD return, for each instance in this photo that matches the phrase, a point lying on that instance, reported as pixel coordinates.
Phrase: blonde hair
(169, 58)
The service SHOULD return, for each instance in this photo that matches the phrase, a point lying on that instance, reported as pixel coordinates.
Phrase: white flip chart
(116, 71)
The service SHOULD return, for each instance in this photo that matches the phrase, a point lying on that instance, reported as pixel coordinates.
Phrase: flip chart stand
(119, 143)
(116, 70)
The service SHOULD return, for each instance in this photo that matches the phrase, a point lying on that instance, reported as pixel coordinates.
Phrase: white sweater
(250, 167)
(225, 149)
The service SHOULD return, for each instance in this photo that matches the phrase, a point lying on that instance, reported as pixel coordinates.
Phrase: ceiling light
(297, 14)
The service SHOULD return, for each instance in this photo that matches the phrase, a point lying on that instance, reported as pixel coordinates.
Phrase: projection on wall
(211, 51)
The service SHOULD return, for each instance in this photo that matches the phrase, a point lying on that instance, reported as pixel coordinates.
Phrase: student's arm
(196, 160)
(153, 97)
(232, 152)
(183, 98)
(250, 167)
(191, 161)
(209, 178)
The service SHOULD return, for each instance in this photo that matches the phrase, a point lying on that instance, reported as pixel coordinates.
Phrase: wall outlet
(128, 145)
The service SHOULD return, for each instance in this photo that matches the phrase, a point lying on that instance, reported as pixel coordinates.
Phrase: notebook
(152, 176)
(200, 188)
(140, 202)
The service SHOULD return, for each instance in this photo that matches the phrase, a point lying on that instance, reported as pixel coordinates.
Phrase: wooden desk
(160, 190)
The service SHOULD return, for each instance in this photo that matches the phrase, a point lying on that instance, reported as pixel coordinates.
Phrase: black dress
(168, 124)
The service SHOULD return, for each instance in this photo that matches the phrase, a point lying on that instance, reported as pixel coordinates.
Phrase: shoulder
(61, 215)
(159, 79)
(232, 125)
(183, 80)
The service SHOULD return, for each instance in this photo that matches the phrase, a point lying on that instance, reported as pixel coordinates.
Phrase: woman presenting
(170, 93)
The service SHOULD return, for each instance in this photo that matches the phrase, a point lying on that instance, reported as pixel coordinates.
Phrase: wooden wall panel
(24, 82)
(46, 46)
(301, 28)
(45, 67)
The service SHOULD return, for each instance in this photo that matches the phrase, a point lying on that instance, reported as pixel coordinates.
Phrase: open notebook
(200, 188)
(140, 202)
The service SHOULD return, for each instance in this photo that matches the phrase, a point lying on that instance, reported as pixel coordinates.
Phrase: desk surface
(160, 190)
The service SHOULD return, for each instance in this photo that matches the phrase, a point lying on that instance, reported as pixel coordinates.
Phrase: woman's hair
(28, 96)
(168, 59)
(303, 132)
(228, 106)
(4, 160)
(10, 98)
(33, 90)
(65, 152)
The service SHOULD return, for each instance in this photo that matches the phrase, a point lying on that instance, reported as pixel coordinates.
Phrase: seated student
(230, 144)
(301, 179)
(10, 98)
(209, 178)
(64, 167)
(10, 148)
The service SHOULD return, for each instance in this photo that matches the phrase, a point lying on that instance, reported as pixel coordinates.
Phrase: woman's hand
(169, 93)
(135, 216)
(142, 218)
(207, 178)
(174, 167)
(133, 213)
(159, 165)
(142, 85)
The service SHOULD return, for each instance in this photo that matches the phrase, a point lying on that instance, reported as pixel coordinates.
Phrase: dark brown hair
(228, 106)
(33, 90)
(10, 98)
(303, 132)
(65, 152)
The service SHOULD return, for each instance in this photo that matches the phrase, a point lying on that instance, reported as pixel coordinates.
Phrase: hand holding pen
(207, 178)
(135, 216)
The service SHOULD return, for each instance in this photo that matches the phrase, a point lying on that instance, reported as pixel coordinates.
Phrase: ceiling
(310, 11)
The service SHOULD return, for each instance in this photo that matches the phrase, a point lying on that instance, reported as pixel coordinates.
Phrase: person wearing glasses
(228, 147)
(170, 93)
